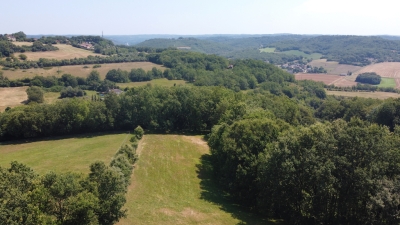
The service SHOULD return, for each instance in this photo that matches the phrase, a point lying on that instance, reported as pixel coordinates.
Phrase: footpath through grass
(171, 184)
(62, 154)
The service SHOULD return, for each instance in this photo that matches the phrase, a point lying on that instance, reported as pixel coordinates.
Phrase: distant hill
(355, 50)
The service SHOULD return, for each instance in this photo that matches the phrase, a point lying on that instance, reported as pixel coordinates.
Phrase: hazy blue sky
(359, 17)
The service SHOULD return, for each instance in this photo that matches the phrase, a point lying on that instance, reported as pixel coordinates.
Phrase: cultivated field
(160, 82)
(78, 70)
(327, 79)
(386, 69)
(64, 52)
(305, 55)
(171, 184)
(69, 153)
(334, 67)
(11, 97)
(377, 95)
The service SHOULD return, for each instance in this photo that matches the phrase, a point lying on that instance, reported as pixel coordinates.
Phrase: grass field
(161, 82)
(11, 97)
(267, 50)
(305, 55)
(78, 70)
(70, 153)
(387, 82)
(171, 185)
(377, 95)
(64, 52)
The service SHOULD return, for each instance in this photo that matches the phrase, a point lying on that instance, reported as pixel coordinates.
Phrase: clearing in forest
(171, 184)
(61, 154)
(11, 97)
(78, 70)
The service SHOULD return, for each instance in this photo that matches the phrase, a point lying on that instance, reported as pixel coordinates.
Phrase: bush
(138, 132)
(35, 94)
(369, 78)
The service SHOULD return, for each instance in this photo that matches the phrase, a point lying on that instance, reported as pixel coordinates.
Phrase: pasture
(387, 82)
(171, 184)
(267, 50)
(64, 52)
(78, 70)
(333, 67)
(303, 54)
(377, 95)
(160, 82)
(61, 154)
(11, 97)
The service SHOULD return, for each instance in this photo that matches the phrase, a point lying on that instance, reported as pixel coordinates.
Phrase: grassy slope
(71, 153)
(387, 82)
(171, 185)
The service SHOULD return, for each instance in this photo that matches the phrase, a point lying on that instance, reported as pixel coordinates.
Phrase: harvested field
(64, 52)
(377, 95)
(327, 79)
(11, 97)
(386, 69)
(78, 70)
(334, 67)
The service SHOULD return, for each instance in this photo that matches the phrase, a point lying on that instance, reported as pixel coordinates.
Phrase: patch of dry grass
(78, 70)
(64, 52)
(11, 97)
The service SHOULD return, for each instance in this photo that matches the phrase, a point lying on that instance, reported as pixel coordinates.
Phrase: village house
(10, 37)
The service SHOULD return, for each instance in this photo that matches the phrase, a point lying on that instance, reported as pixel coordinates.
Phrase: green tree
(35, 94)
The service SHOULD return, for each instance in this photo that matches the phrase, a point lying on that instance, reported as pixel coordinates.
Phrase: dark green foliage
(35, 94)
(369, 78)
(118, 76)
(70, 92)
(137, 75)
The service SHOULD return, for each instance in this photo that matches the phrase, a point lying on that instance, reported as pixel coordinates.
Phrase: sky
(195, 17)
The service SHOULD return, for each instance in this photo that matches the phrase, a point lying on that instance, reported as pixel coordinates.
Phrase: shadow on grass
(212, 193)
(61, 137)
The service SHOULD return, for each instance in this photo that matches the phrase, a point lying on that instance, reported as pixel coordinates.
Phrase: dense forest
(354, 50)
(279, 147)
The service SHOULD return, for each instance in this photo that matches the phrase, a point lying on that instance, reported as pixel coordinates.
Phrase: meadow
(313, 56)
(78, 70)
(60, 154)
(171, 184)
(387, 82)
